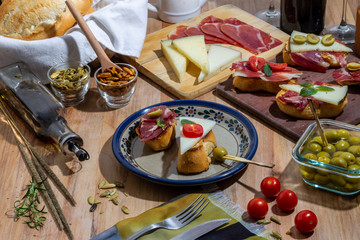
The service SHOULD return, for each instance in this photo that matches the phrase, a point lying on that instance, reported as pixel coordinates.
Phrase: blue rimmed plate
(232, 130)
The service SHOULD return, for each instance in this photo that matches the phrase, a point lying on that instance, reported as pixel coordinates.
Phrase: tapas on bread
(197, 141)
(349, 75)
(157, 128)
(329, 99)
(316, 53)
(257, 74)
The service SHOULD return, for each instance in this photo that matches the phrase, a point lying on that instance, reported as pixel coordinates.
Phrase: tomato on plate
(256, 63)
(286, 200)
(192, 130)
(270, 186)
(305, 221)
(257, 208)
(277, 66)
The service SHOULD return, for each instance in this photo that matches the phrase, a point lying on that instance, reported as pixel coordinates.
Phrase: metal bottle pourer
(24, 92)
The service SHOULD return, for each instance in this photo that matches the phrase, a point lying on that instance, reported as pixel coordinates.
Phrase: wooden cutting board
(263, 105)
(153, 64)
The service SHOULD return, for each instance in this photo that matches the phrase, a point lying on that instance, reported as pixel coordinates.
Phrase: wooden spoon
(321, 131)
(240, 159)
(103, 58)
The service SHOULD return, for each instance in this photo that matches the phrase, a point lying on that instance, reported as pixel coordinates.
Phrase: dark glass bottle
(302, 15)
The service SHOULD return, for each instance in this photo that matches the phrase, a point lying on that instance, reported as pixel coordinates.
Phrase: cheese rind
(187, 143)
(304, 47)
(194, 48)
(332, 97)
(178, 62)
(219, 58)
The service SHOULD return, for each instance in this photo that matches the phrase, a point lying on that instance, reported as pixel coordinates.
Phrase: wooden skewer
(240, 159)
(321, 131)
(103, 58)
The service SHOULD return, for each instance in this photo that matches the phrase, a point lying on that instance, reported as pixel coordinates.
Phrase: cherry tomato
(286, 200)
(277, 66)
(257, 208)
(270, 186)
(305, 221)
(192, 130)
(256, 63)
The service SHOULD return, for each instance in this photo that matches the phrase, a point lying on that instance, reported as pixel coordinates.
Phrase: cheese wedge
(333, 97)
(178, 62)
(219, 58)
(187, 143)
(194, 48)
(335, 47)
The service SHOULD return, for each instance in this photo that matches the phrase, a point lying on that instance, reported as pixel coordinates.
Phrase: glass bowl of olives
(334, 166)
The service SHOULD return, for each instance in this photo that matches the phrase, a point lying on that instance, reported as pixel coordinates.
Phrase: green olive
(343, 134)
(324, 159)
(354, 140)
(328, 40)
(349, 157)
(219, 153)
(315, 147)
(307, 175)
(353, 149)
(312, 38)
(338, 161)
(351, 187)
(337, 153)
(353, 167)
(357, 160)
(307, 169)
(299, 39)
(317, 139)
(337, 180)
(322, 179)
(342, 145)
(331, 135)
(330, 148)
(323, 154)
(310, 156)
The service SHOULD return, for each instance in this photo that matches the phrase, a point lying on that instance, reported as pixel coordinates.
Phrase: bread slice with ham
(157, 128)
(344, 76)
(250, 76)
(329, 99)
(314, 56)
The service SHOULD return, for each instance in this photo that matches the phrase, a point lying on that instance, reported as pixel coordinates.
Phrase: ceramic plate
(232, 130)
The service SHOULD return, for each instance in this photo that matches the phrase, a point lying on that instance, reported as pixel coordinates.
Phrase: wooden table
(96, 124)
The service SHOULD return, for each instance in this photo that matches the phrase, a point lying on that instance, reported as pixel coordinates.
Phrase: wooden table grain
(96, 123)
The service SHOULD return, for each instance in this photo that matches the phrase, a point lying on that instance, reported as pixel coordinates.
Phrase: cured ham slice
(343, 75)
(195, 30)
(243, 69)
(299, 102)
(214, 29)
(311, 60)
(149, 128)
(179, 32)
(252, 39)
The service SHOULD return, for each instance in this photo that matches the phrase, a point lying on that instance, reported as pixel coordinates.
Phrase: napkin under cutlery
(220, 207)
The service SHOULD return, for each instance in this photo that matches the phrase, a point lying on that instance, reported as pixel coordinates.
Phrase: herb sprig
(28, 206)
(309, 89)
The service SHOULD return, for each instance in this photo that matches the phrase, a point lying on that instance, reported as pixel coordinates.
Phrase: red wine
(302, 15)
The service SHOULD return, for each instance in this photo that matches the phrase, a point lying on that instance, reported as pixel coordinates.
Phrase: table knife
(201, 229)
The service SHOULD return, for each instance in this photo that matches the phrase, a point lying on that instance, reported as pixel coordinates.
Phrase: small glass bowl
(118, 93)
(70, 92)
(335, 176)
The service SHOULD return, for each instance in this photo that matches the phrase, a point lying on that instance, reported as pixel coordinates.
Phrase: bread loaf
(38, 19)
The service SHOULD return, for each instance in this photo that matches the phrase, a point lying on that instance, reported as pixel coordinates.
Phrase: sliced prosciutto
(214, 29)
(149, 128)
(318, 61)
(195, 30)
(252, 39)
(342, 75)
(179, 32)
(299, 102)
(243, 69)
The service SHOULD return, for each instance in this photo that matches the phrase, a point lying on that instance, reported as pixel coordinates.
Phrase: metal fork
(177, 221)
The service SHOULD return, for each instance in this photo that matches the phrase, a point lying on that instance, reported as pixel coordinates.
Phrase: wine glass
(271, 15)
(343, 32)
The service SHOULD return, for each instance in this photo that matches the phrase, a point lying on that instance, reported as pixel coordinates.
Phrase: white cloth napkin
(119, 25)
